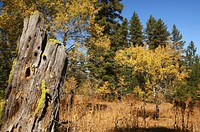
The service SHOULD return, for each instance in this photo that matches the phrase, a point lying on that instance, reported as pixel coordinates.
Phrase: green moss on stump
(43, 55)
(42, 98)
(35, 12)
(2, 103)
(55, 41)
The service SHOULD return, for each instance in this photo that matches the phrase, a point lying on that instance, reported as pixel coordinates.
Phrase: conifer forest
(81, 66)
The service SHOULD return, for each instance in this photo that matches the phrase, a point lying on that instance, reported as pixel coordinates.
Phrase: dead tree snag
(33, 93)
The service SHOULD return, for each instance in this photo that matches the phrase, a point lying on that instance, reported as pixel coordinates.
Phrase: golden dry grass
(126, 115)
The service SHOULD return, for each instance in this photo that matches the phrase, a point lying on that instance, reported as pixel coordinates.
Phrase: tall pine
(150, 31)
(190, 55)
(101, 64)
(192, 62)
(136, 32)
(176, 38)
(156, 33)
(120, 36)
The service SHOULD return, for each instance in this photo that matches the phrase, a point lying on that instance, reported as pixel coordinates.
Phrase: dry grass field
(93, 115)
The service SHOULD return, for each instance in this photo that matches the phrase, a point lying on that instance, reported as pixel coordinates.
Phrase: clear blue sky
(185, 14)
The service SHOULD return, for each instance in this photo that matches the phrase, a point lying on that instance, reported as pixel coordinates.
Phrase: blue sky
(185, 14)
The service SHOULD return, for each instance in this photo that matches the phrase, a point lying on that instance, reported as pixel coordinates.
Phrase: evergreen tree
(190, 55)
(124, 79)
(101, 63)
(162, 35)
(124, 33)
(108, 15)
(150, 31)
(176, 38)
(194, 76)
(120, 36)
(156, 33)
(192, 62)
(136, 30)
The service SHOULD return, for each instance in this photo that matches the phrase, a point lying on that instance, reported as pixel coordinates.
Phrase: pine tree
(136, 32)
(162, 35)
(150, 31)
(156, 33)
(192, 62)
(123, 33)
(194, 78)
(176, 38)
(101, 63)
(190, 55)
(108, 15)
(120, 36)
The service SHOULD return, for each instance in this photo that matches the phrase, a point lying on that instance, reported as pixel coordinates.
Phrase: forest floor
(125, 116)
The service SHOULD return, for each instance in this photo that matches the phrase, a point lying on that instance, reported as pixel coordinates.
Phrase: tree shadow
(156, 129)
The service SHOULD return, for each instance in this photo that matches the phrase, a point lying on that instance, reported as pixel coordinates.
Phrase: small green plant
(55, 41)
(35, 12)
(2, 103)
(44, 56)
(42, 98)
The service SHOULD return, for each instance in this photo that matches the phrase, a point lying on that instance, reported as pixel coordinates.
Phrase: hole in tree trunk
(28, 72)
(35, 54)
(44, 57)
(29, 38)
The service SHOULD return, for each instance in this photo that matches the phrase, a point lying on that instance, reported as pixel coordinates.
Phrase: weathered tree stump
(33, 94)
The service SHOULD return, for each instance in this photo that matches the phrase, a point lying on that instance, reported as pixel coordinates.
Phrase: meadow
(90, 114)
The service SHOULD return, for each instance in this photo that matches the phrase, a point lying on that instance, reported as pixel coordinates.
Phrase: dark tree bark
(33, 94)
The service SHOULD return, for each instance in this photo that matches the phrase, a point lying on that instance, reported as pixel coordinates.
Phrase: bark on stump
(33, 94)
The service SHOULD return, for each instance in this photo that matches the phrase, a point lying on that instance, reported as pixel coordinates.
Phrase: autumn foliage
(159, 67)
(109, 59)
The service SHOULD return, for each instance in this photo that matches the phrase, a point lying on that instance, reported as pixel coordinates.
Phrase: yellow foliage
(2, 103)
(62, 16)
(70, 84)
(104, 89)
(138, 91)
(121, 81)
(55, 41)
(67, 20)
(158, 66)
(103, 42)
